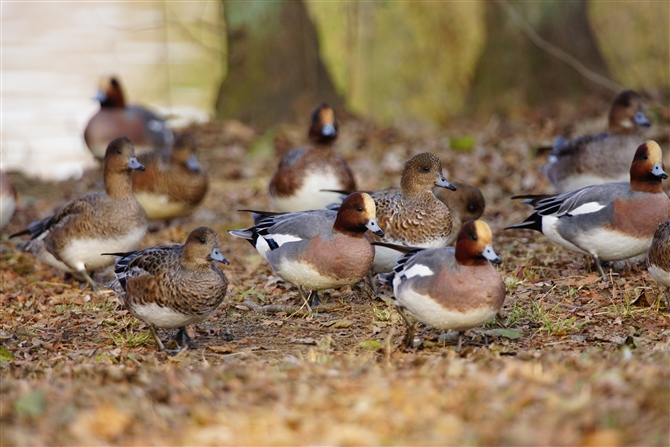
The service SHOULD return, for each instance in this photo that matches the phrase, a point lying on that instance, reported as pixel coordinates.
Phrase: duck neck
(465, 254)
(118, 185)
(357, 231)
(649, 183)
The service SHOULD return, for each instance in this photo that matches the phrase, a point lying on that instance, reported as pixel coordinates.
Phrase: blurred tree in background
(433, 61)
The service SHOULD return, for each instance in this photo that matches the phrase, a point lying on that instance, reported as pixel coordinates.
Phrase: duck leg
(459, 344)
(600, 269)
(89, 280)
(373, 286)
(409, 334)
(314, 299)
(158, 341)
(183, 340)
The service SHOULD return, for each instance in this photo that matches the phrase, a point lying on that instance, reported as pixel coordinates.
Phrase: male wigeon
(304, 173)
(73, 238)
(145, 129)
(312, 250)
(173, 286)
(612, 221)
(658, 259)
(7, 199)
(449, 288)
(413, 216)
(465, 203)
(173, 182)
(601, 158)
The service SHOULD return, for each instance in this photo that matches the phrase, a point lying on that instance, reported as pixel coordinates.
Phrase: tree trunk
(513, 72)
(275, 72)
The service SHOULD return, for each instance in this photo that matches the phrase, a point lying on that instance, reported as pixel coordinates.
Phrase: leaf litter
(569, 361)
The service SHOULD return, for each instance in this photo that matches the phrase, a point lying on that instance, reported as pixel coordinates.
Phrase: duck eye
(359, 209)
(201, 240)
(118, 151)
(426, 168)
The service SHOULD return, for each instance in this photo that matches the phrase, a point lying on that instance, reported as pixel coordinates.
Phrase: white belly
(164, 317)
(434, 315)
(613, 246)
(310, 196)
(84, 254)
(660, 275)
(159, 207)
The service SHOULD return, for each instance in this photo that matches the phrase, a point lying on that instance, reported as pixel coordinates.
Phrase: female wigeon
(465, 203)
(612, 221)
(173, 286)
(449, 288)
(602, 158)
(658, 260)
(413, 216)
(304, 173)
(147, 130)
(173, 183)
(7, 199)
(311, 250)
(74, 237)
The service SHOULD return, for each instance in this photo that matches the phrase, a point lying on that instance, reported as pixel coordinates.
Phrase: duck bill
(491, 255)
(658, 171)
(100, 96)
(216, 255)
(192, 164)
(373, 226)
(443, 183)
(134, 164)
(641, 120)
(328, 130)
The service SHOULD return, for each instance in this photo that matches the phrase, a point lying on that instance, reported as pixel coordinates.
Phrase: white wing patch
(587, 208)
(417, 270)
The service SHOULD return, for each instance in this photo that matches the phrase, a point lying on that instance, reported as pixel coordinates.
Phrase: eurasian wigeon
(173, 286)
(312, 250)
(658, 260)
(173, 182)
(413, 216)
(145, 129)
(449, 288)
(612, 221)
(8, 199)
(74, 237)
(601, 158)
(465, 203)
(304, 173)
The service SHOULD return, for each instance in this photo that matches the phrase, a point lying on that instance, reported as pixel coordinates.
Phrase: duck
(611, 221)
(74, 237)
(172, 286)
(8, 199)
(173, 182)
(314, 251)
(147, 130)
(413, 216)
(658, 258)
(464, 204)
(602, 158)
(304, 174)
(449, 288)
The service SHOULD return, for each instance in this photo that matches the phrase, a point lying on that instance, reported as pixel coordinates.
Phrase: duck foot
(183, 340)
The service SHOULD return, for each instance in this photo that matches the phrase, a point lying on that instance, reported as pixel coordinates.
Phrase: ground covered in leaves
(571, 360)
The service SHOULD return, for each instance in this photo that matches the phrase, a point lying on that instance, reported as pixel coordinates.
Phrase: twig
(278, 308)
(557, 52)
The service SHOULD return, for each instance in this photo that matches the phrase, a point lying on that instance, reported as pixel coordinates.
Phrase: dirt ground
(572, 360)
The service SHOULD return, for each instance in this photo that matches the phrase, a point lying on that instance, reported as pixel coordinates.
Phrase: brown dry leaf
(102, 424)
